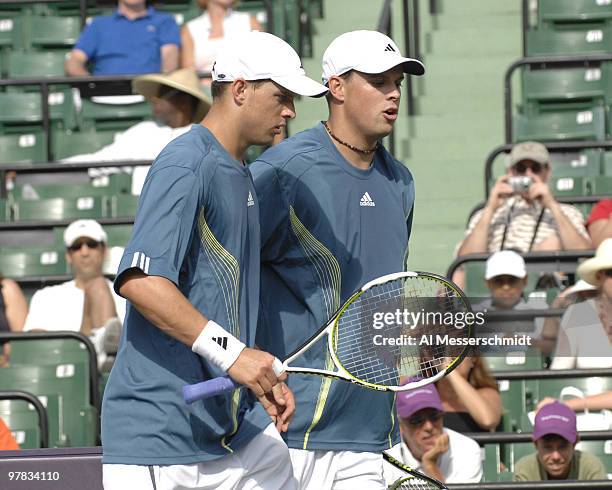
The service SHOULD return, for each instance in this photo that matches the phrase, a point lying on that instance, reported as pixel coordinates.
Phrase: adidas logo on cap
(366, 200)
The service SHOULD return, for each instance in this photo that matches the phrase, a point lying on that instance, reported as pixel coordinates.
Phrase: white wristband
(218, 346)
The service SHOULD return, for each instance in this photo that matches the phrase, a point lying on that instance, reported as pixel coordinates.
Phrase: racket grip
(208, 389)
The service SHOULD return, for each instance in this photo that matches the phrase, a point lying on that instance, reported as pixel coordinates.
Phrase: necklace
(348, 145)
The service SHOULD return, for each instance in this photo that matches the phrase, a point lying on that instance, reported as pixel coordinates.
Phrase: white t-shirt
(585, 344)
(462, 463)
(60, 307)
(143, 141)
(206, 50)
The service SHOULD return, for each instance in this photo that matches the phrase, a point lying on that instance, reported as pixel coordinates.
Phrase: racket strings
(413, 484)
(387, 353)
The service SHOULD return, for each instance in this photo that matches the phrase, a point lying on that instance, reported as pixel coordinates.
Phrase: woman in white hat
(585, 339)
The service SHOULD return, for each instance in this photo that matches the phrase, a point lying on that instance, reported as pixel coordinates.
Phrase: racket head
(351, 339)
(414, 480)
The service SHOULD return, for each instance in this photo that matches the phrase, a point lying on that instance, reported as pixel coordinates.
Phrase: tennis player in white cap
(335, 212)
(190, 274)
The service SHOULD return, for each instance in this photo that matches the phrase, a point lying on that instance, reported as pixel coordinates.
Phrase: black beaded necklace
(348, 145)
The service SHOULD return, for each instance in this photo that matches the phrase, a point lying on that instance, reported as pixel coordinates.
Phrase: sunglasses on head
(535, 167)
(92, 244)
(420, 419)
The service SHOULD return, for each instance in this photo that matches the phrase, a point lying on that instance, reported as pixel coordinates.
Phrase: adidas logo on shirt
(222, 341)
(250, 201)
(366, 200)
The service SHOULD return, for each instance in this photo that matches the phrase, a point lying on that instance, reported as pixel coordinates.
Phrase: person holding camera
(521, 212)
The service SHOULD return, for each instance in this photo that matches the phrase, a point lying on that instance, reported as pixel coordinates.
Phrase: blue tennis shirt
(196, 225)
(327, 229)
(116, 45)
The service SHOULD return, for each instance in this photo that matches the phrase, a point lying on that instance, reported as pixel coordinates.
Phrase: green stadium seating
(64, 390)
(606, 164)
(124, 205)
(49, 191)
(543, 42)
(68, 143)
(570, 186)
(565, 125)
(115, 117)
(32, 261)
(61, 209)
(601, 186)
(21, 109)
(517, 399)
(564, 11)
(11, 32)
(516, 361)
(118, 235)
(32, 64)
(21, 417)
(556, 89)
(22, 148)
(587, 163)
(48, 31)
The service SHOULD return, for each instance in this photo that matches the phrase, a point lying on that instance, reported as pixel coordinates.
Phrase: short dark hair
(217, 89)
(344, 76)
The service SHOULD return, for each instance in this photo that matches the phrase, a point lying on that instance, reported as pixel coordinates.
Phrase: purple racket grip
(207, 389)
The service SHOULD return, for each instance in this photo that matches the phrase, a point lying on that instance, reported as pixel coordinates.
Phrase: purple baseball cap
(556, 418)
(411, 401)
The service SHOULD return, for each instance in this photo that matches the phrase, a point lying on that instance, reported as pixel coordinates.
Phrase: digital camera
(520, 183)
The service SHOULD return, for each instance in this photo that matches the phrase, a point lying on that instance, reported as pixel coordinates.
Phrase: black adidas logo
(390, 48)
(222, 341)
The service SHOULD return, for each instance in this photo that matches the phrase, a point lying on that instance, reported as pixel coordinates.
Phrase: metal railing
(43, 420)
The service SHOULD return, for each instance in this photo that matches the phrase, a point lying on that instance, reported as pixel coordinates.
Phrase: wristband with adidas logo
(218, 346)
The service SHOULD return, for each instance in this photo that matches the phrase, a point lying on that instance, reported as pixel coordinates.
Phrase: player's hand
(544, 401)
(540, 191)
(499, 193)
(440, 447)
(280, 405)
(253, 369)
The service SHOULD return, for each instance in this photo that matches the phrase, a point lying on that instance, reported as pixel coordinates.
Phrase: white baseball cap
(505, 263)
(367, 52)
(88, 228)
(261, 56)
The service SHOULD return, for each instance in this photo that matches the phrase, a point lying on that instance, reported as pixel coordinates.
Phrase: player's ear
(336, 87)
(238, 88)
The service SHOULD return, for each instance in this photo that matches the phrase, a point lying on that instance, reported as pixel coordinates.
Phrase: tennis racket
(370, 344)
(415, 480)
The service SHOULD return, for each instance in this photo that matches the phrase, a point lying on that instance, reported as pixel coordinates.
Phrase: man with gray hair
(521, 212)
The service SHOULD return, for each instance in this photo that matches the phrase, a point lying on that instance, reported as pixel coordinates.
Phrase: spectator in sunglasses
(87, 303)
(521, 212)
(428, 446)
(585, 335)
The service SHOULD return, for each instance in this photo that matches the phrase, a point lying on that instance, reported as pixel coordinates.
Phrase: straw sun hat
(603, 260)
(184, 80)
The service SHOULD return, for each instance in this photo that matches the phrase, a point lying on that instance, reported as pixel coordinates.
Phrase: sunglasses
(607, 273)
(420, 419)
(499, 281)
(91, 244)
(535, 167)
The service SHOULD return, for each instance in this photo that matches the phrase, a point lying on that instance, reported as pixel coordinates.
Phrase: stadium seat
(11, 32)
(25, 109)
(573, 11)
(115, 117)
(49, 191)
(48, 31)
(516, 361)
(572, 88)
(22, 148)
(118, 235)
(601, 186)
(544, 42)
(32, 261)
(61, 209)
(69, 143)
(22, 419)
(32, 64)
(587, 163)
(570, 186)
(124, 205)
(606, 164)
(562, 125)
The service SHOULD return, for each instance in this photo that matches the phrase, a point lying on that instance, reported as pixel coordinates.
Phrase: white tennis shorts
(263, 464)
(337, 470)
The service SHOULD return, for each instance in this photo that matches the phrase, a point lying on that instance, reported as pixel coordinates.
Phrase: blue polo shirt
(327, 228)
(116, 45)
(196, 225)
